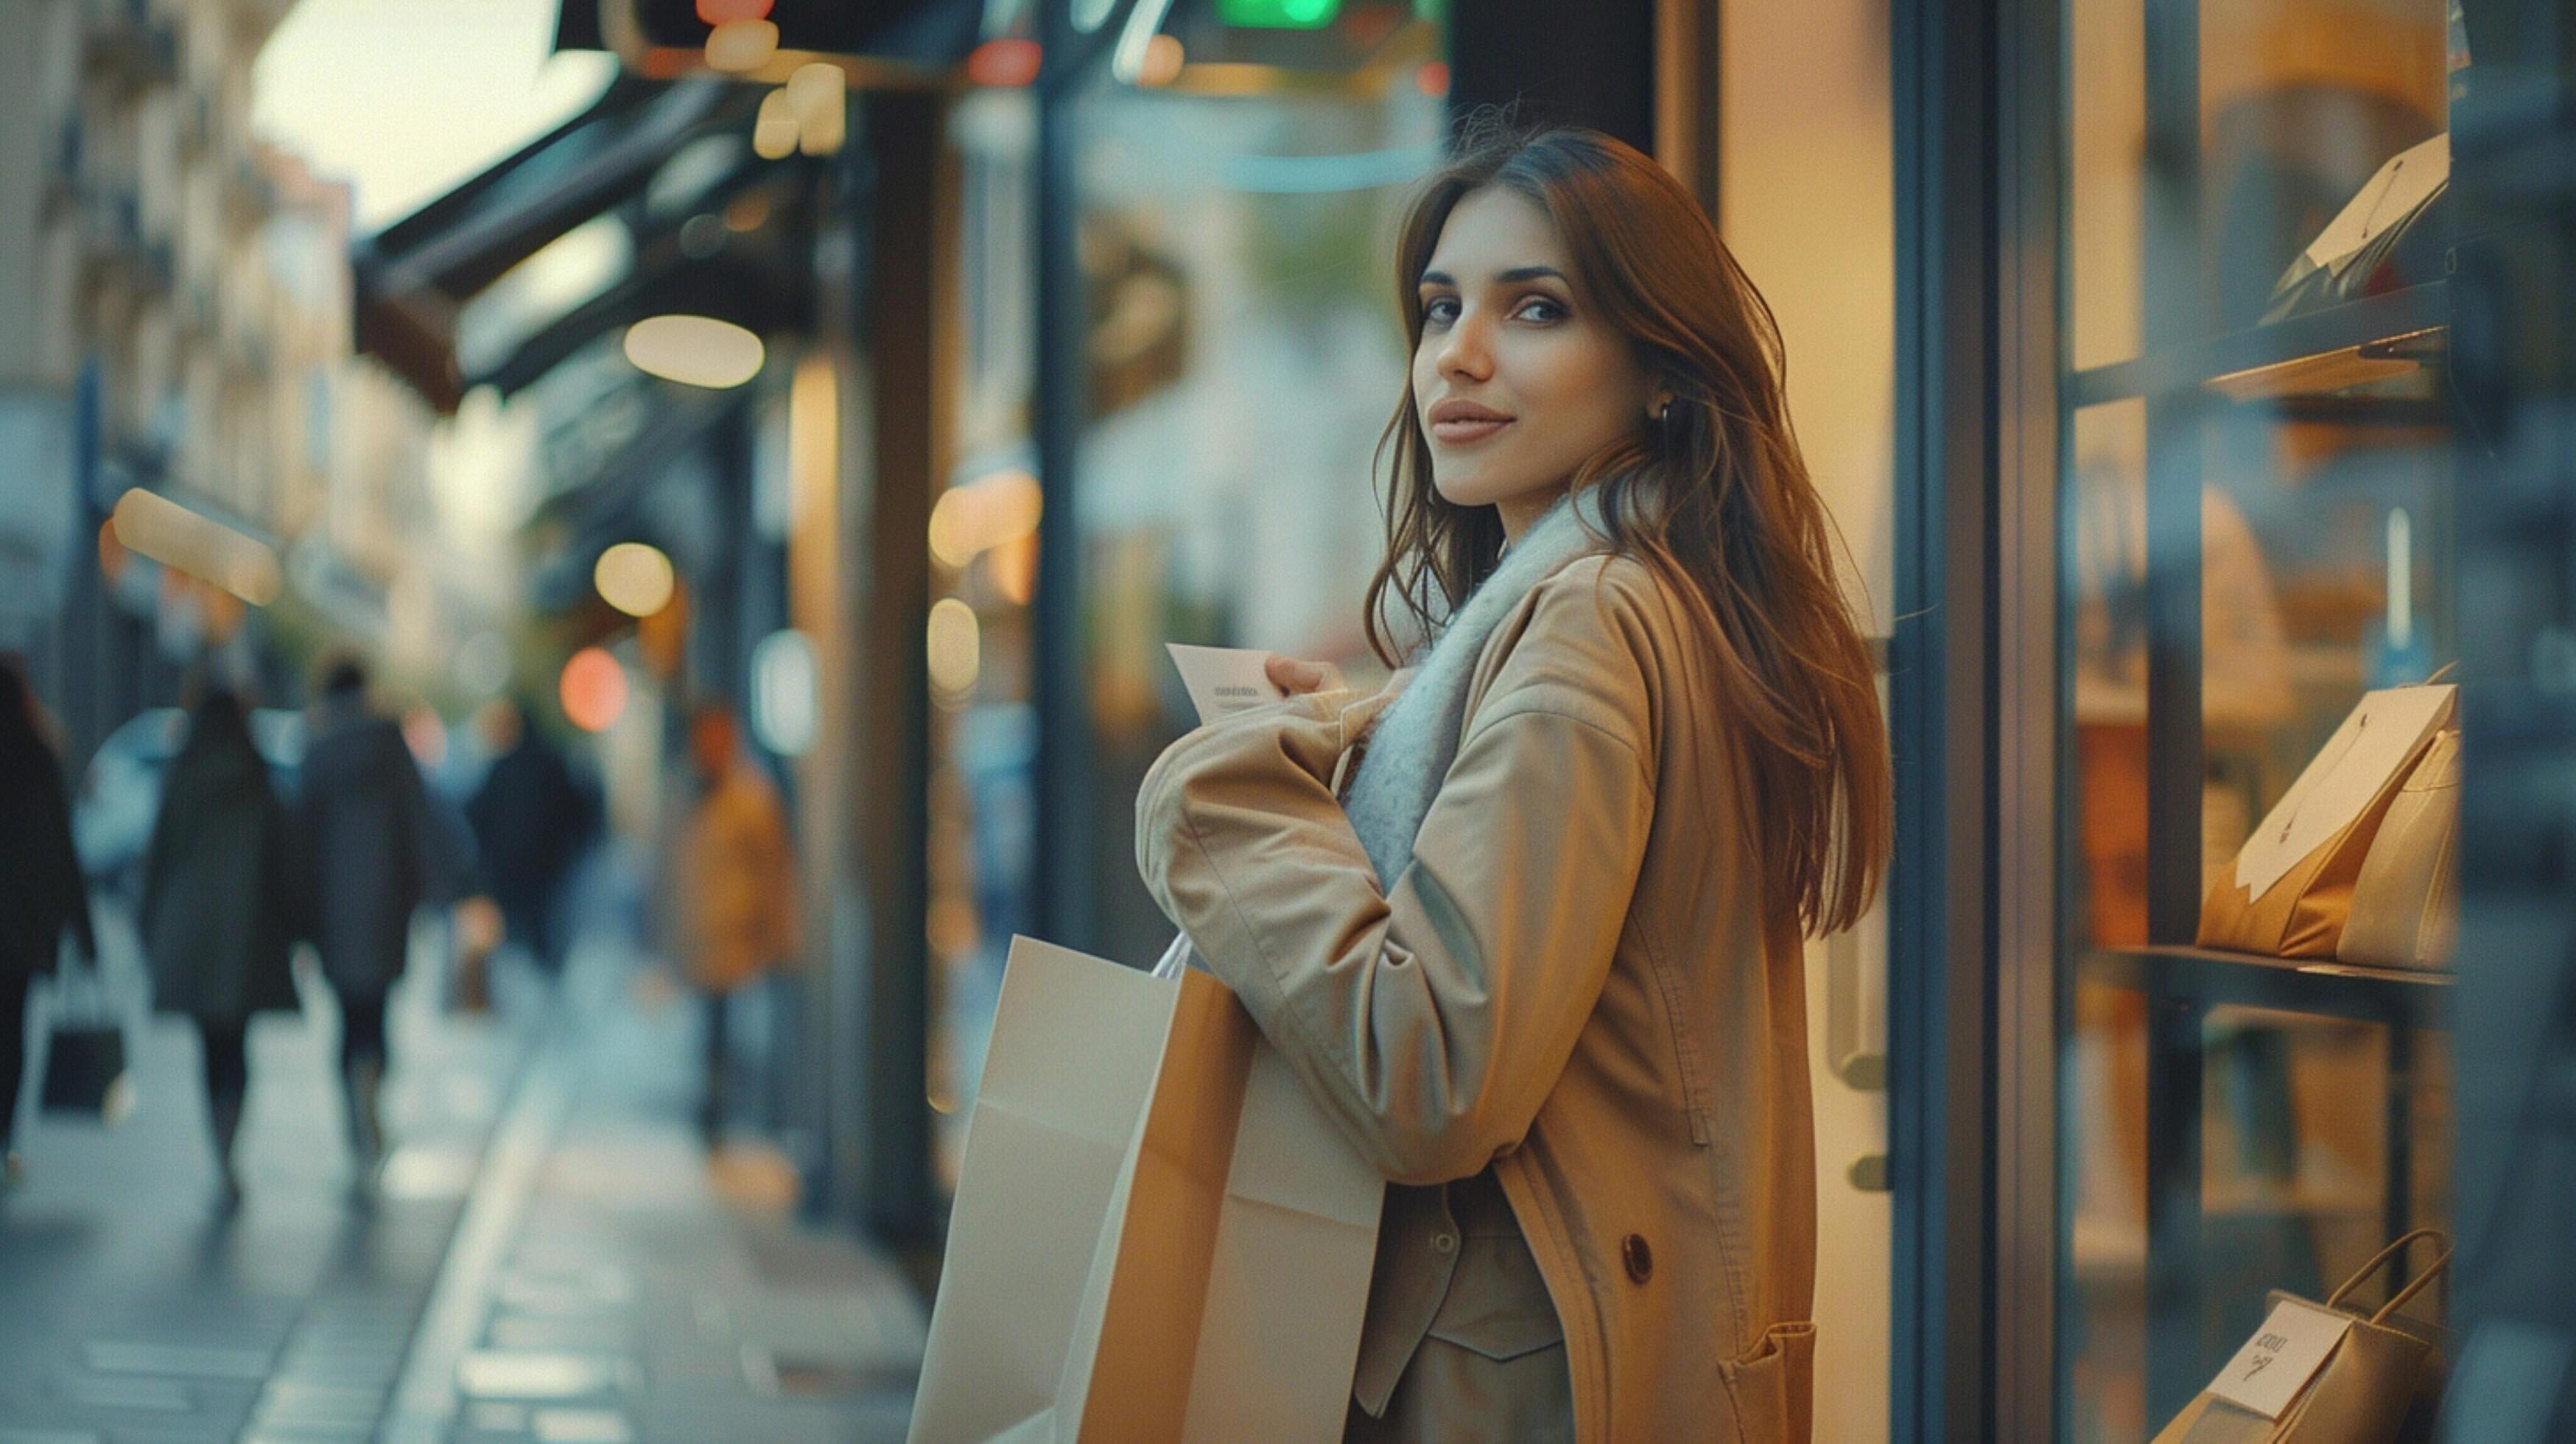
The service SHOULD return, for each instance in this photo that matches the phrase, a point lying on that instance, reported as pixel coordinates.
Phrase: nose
(1464, 354)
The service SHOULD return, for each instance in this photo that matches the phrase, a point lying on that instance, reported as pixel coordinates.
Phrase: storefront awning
(412, 277)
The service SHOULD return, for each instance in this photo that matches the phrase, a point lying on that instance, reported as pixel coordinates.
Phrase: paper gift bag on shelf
(2329, 1373)
(2290, 890)
(1141, 1171)
(2406, 900)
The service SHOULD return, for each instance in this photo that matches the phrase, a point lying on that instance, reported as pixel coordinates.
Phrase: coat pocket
(1772, 1388)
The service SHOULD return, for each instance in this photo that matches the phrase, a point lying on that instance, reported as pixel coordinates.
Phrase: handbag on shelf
(2406, 899)
(85, 1072)
(2290, 891)
(2369, 1378)
(2388, 237)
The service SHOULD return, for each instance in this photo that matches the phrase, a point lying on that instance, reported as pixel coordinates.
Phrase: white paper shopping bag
(1164, 1321)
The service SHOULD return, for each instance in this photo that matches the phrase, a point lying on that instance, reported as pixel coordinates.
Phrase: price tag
(1223, 680)
(2279, 1360)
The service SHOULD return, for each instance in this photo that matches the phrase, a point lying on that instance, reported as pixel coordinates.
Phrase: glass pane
(2254, 341)
(1236, 251)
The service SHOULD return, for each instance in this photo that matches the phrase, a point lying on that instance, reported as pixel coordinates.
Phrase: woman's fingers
(1296, 677)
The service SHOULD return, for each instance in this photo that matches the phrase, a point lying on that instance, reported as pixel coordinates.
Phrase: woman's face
(1515, 382)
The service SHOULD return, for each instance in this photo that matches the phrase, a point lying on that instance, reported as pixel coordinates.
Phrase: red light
(717, 12)
(593, 689)
(1003, 64)
(1431, 77)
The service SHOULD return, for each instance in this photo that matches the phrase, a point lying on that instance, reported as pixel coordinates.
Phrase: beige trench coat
(1574, 981)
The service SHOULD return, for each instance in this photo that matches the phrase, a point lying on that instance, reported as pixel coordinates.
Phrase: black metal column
(1596, 70)
(1942, 680)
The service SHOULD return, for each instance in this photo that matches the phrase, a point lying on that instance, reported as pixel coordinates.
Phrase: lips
(1459, 422)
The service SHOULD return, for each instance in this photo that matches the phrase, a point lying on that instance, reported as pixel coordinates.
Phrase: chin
(1481, 491)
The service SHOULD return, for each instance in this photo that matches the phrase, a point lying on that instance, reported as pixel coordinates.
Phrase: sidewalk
(553, 1255)
(610, 1283)
(139, 1308)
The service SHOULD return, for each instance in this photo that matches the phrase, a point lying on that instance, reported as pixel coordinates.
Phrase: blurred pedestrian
(532, 818)
(41, 890)
(376, 853)
(736, 889)
(220, 907)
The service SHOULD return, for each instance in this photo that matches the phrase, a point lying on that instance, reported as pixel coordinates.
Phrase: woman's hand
(1297, 678)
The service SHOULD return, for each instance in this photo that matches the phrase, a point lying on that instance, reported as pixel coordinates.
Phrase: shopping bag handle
(2441, 1262)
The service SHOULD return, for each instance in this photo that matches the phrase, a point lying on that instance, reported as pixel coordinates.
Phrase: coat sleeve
(1431, 1020)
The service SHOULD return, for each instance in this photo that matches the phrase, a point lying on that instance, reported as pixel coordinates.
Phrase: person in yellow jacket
(736, 885)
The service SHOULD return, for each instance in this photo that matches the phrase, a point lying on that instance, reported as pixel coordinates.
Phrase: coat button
(1444, 1242)
(1639, 1258)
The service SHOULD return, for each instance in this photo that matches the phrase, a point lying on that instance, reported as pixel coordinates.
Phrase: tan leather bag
(2381, 1385)
(2302, 914)
(2406, 900)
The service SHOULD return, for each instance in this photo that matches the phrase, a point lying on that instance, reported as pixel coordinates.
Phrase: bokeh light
(956, 651)
(593, 690)
(635, 578)
(694, 350)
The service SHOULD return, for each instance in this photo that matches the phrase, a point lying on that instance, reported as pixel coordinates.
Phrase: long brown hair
(1714, 496)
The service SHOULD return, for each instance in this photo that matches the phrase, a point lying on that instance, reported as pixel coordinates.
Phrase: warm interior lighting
(634, 578)
(819, 94)
(1005, 64)
(1162, 63)
(956, 650)
(153, 525)
(717, 12)
(1013, 567)
(593, 689)
(694, 350)
(773, 132)
(737, 46)
(985, 513)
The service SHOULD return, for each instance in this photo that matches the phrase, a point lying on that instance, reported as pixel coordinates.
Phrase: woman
(374, 853)
(218, 915)
(41, 888)
(1540, 957)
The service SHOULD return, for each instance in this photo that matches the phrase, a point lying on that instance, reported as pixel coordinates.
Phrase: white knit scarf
(1416, 737)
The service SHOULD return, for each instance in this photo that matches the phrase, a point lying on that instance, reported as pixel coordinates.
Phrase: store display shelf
(2298, 985)
(2362, 343)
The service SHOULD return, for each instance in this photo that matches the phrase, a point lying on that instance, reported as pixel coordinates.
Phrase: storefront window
(2257, 512)
(1245, 359)
(1237, 207)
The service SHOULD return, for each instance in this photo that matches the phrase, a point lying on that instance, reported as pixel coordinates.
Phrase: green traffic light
(1279, 14)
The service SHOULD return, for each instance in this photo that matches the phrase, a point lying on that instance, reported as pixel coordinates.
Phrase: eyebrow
(1516, 273)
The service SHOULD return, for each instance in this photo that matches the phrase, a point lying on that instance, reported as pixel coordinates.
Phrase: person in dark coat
(376, 853)
(220, 907)
(531, 819)
(41, 890)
